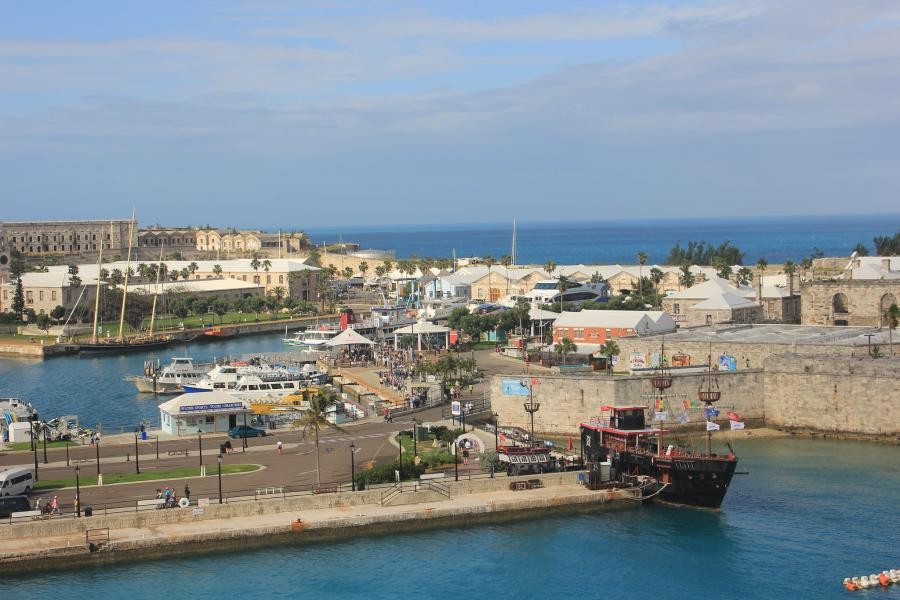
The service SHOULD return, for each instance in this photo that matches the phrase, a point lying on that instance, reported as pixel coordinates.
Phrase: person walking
(279, 447)
(54, 505)
(187, 492)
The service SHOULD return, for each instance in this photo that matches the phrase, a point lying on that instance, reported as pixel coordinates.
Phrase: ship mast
(155, 292)
(708, 393)
(127, 269)
(97, 290)
(661, 381)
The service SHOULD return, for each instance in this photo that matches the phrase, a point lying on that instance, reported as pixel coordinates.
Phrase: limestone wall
(828, 393)
(568, 400)
(863, 301)
(748, 355)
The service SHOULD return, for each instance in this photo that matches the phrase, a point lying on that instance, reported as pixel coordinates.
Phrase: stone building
(174, 238)
(41, 238)
(45, 291)
(868, 286)
(240, 242)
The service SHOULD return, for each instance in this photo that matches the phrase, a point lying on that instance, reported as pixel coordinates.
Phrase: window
(676, 309)
(29, 298)
(281, 279)
(268, 279)
(41, 295)
(210, 420)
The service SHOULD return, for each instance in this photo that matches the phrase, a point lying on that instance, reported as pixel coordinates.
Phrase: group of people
(50, 507)
(170, 497)
(357, 355)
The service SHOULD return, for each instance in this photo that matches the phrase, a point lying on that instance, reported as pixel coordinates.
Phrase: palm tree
(314, 419)
(217, 270)
(892, 316)
(656, 276)
(489, 262)
(563, 286)
(789, 269)
(506, 260)
(549, 267)
(565, 346)
(744, 276)
(363, 268)
(609, 349)
(254, 264)
(806, 265)
(193, 267)
(686, 279)
(642, 260)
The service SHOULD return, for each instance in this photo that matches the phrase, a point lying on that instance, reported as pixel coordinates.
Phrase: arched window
(883, 305)
(839, 304)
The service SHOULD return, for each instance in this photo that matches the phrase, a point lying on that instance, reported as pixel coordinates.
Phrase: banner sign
(727, 363)
(455, 408)
(206, 407)
(637, 361)
(514, 387)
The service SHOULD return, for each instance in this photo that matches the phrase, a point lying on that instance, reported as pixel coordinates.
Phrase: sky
(272, 113)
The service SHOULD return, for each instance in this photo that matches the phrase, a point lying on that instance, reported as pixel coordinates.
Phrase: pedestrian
(54, 505)
(74, 504)
(187, 492)
(280, 447)
(168, 495)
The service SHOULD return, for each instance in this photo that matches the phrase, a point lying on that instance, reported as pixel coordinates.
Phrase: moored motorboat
(171, 379)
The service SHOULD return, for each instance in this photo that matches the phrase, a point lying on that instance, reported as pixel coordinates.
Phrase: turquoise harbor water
(809, 513)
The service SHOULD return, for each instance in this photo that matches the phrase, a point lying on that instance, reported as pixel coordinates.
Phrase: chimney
(886, 264)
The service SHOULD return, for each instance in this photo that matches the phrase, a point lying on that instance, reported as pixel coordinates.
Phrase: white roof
(537, 314)
(55, 277)
(873, 267)
(714, 287)
(642, 322)
(219, 284)
(212, 402)
(724, 301)
(349, 337)
(422, 326)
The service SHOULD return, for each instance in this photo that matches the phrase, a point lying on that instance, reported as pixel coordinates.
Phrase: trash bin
(144, 436)
(271, 425)
(88, 511)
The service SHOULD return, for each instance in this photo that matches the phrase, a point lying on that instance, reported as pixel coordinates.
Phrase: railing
(95, 539)
(393, 492)
(435, 486)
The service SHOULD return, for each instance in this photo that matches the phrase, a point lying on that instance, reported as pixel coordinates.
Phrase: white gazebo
(420, 328)
(349, 337)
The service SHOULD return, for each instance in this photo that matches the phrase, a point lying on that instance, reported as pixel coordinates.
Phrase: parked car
(245, 431)
(11, 504)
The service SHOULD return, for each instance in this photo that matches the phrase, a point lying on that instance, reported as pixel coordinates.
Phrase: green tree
(805, 266)
(860, 249)
(506, 261)
(74, 279)
(58, 313)
(744, 276)
(564, 284)
(255, 264)
(116, 278)
(549, 267)
(364, 268)
(490, 262)
(564, 347)
(642, 260)
(887, 245)
(892, 317)
(18, 303)
(220, 307)
(43, 322)
(193, 267)
(217, 270)
(789, 269)
(686, 279)
(609, 349)
(278, 294)
(315, 419)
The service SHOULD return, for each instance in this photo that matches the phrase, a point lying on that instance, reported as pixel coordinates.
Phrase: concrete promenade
(41, 545)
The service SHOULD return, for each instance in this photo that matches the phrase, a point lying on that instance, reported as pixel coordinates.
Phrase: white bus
(16, 481)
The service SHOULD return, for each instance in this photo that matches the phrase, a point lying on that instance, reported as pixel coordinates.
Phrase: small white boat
(312, 339)
(171, 379)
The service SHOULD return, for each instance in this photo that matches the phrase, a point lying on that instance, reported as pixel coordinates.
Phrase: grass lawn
(145, 476)
(17, 446)
(425, 450)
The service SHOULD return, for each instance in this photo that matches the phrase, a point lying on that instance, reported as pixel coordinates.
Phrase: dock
(304, 518)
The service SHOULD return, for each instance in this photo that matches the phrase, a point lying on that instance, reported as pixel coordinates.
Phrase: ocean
(809, 513)
(774, 238)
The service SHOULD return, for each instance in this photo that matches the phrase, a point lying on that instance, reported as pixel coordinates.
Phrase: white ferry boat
(171, 379)
(312, 339)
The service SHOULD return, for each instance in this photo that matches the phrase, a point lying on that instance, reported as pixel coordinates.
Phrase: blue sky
(310, 114)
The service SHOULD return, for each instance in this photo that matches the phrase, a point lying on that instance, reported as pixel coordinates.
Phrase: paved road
(296, 467)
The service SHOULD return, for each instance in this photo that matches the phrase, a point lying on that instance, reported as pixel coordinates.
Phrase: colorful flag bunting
(733, 416)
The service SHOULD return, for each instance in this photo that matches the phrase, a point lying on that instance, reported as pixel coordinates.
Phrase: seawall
(306, 519)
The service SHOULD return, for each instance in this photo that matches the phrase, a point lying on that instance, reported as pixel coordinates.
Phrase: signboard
(514, 387)
(202, 502)
(637, 360)
(197, 512)
(660, 416)
(727, 363)
(455, 408)
(205, 407)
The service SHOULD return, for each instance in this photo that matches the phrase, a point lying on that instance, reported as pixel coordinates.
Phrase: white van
(16, 481)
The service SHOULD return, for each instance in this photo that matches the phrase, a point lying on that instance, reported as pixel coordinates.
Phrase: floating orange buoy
(884, 580)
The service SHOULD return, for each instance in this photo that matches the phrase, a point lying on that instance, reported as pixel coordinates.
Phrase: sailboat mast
(127, 269)
(97, 290)
(155, 292)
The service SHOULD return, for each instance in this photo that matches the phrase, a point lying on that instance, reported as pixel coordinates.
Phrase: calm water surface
(809, 514)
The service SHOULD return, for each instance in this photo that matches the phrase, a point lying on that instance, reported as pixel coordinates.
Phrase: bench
(182, 452)
(26, 514)
(326, 489)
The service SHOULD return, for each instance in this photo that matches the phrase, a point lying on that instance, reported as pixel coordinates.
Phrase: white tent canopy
(349, 337)
(419, 329)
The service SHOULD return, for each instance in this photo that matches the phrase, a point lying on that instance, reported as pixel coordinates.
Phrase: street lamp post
(200, 446)
(352, 467)
(77, 490)
(400, 457)
(219, 459)
(455, 461)
(531, 407)
(97, 448)
(137, 458)
(45, 445)
(415, 441)
(67, 453)
(34, 448)
(496, 432)
(244, 437)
